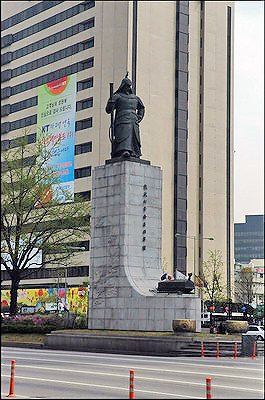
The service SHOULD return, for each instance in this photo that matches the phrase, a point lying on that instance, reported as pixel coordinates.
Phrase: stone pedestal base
(125, 261)
(234, 326)
(184, 325)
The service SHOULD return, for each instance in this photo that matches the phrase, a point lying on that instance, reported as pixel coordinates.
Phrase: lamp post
(80, 248)
(194, 247)
(194, 250)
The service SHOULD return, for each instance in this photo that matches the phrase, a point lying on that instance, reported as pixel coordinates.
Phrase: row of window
(27, 161)
(47, 41)
(83, 104)
(46, 273)
(249, 233)
(46, 23)
(16, 142)
(247, 248)
(78, 172)
(245, 257)
(33, 101)
(83, 124)
(79, 148)
(244, 241)
(28, 13)
(83, 148)
(52, 76)
(82, 172)
(23, 122)
(86, 195)
(49, 59)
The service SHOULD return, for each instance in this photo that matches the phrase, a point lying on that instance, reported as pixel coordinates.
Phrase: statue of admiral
(129, 112)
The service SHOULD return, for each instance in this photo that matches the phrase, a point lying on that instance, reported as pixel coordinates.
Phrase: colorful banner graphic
(56, 120)
(76, 298)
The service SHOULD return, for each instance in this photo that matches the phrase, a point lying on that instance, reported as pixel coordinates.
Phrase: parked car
(256, 330)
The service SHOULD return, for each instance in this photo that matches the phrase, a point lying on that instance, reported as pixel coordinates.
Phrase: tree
(212, 277)
(244, 286)
(37, 229)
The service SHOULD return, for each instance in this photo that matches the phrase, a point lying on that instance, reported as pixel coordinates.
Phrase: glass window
(51, 58)
(31, 138)
(83, 195)
(4, 146)
(83, 124)
(68, 51)
(82, 172)
(83, 104)
(83, 148)
(87, 83)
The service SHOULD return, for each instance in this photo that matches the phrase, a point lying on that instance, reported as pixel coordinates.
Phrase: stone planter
(184, 325)
(233, 326)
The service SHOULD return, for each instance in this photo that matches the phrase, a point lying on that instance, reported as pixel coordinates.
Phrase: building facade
(249, 239)
(179, 55)
(256, 288)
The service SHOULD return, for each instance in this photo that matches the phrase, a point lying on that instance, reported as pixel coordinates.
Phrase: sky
(248, 109)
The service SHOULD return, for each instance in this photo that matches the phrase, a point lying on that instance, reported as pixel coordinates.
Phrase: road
(52, 374)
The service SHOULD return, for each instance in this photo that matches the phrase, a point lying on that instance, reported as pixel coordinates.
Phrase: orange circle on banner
(58, 86)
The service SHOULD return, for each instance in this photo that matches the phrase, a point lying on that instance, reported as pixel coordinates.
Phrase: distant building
(249, 239)
(256, 266)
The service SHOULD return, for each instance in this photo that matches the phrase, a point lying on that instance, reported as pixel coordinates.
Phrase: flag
(198, 281)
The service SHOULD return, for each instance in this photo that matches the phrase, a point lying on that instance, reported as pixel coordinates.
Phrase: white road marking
(130, 367)
(143, 378)
(124, 358)
(106, 387)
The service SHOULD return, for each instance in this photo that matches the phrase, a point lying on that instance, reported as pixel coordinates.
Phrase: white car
(256, 330)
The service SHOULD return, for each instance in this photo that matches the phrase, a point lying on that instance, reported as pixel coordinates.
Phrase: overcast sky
(249, 109)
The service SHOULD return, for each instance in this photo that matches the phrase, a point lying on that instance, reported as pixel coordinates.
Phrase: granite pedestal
(125, 261)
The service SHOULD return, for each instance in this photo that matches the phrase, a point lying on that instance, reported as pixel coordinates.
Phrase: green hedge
(33, 323)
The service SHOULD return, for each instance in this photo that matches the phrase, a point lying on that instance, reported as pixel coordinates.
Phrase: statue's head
(125, 86)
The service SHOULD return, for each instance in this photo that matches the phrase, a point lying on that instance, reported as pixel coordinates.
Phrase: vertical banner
(56, 120)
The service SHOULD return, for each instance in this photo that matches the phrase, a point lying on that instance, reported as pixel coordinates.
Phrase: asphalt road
(51, 374)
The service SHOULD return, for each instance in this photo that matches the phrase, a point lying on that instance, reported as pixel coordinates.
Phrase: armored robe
(129, 112)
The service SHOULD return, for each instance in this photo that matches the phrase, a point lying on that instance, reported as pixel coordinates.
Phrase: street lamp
(194, 250)
(82, 248)
(194, 247)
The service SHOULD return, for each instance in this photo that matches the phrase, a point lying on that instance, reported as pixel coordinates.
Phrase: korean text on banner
(56, 121)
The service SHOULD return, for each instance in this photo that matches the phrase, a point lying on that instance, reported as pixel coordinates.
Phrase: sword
(111, 130)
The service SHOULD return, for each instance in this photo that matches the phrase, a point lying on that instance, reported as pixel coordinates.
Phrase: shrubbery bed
(33, 323)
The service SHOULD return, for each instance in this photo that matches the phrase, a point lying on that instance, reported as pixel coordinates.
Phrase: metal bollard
(217, 350)
(11, 389)
(202, 349)
(208, 388)
(131, 387)
(234, 351)
(254, 350)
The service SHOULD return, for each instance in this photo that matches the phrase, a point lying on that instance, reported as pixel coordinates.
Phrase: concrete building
(256, 267)
(249, 239)
(179, 55)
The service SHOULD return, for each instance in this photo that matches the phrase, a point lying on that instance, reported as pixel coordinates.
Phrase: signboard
(27, 309)
(56, 121)
(53, 307)
(75, 298)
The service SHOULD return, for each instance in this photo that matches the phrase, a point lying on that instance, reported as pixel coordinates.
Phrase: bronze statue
(125, 137)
